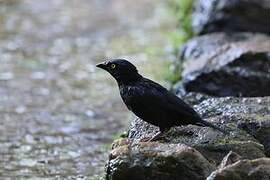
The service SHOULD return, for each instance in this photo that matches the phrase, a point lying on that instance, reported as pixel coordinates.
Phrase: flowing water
(58, 113)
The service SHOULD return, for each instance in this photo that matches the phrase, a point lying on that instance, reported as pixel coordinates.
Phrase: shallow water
(58, 112)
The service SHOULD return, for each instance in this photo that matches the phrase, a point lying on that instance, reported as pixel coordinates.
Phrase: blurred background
(58, 112)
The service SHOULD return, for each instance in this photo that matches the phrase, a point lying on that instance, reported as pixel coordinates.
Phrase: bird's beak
(102, 65)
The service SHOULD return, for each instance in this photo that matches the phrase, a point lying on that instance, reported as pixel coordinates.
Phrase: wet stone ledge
(168, 158)
(223, 64)
(231, 16)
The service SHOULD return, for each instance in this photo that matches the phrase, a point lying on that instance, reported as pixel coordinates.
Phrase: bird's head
(122, 70)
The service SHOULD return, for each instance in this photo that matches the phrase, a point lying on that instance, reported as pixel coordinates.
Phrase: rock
(231, 15)
(120, 142)
(211, 144)
(159, 161)
(204, 45)
(258, 169)
(227, 65)
(224, 112)
(230, 158)
(132, 159)
(260, 130)
(249, 114)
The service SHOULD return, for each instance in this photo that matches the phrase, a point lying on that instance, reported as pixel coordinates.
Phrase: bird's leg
(156, 137)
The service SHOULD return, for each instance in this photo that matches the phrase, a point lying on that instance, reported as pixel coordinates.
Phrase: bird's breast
(129, 95)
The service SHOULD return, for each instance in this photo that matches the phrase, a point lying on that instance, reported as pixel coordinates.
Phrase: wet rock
(224, 112)
(204, 45)
(258, 169)
(230, 158)
(231, 15)
(159, 161)
(227, 65)
(260, 130)
(231, 113)
(120, 142)
(249, 114)
(213, 145)
(133, 159)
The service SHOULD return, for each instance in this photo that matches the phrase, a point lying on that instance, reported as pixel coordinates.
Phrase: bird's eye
(113, 66)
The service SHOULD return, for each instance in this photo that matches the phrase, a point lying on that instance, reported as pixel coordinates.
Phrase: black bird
(150, 101)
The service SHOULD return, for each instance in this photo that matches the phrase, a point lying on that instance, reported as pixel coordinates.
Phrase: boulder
(260, 130)
(159, 161)
(184, 150)
(258, 169)
(220, 64)
(249, 114)
(231, 15)
(230, 158)
(227, 113)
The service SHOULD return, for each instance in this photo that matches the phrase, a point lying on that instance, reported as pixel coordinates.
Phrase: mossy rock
(171, 157)
(227, 113)
(258, 169)
(211, 143)
(159, 161)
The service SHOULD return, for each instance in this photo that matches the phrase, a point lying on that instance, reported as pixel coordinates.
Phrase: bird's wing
(158, 97)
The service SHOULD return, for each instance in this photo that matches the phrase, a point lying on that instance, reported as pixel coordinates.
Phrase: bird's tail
(205, 123)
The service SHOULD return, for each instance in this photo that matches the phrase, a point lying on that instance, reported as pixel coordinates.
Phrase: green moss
(107, 146)
(173, 74)
(118, 135)
(228, 141)
(182, 10)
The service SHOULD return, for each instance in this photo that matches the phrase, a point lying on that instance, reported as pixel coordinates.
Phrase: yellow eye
(113, 66)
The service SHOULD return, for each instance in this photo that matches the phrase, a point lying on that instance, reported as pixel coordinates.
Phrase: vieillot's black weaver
(150, 101)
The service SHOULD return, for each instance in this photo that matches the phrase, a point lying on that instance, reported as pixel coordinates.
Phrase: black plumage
(150, 101)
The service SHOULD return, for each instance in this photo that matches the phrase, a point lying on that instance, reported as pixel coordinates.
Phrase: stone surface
(231, 15)
(258, 169)
(260, 130)
(224, 112)
(227, 65)
(230, 158)
(249, 114)
(134, 159)
(159, 161)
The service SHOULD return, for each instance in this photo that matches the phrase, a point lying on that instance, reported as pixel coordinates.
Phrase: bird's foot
(150, 139)
(145, 139)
